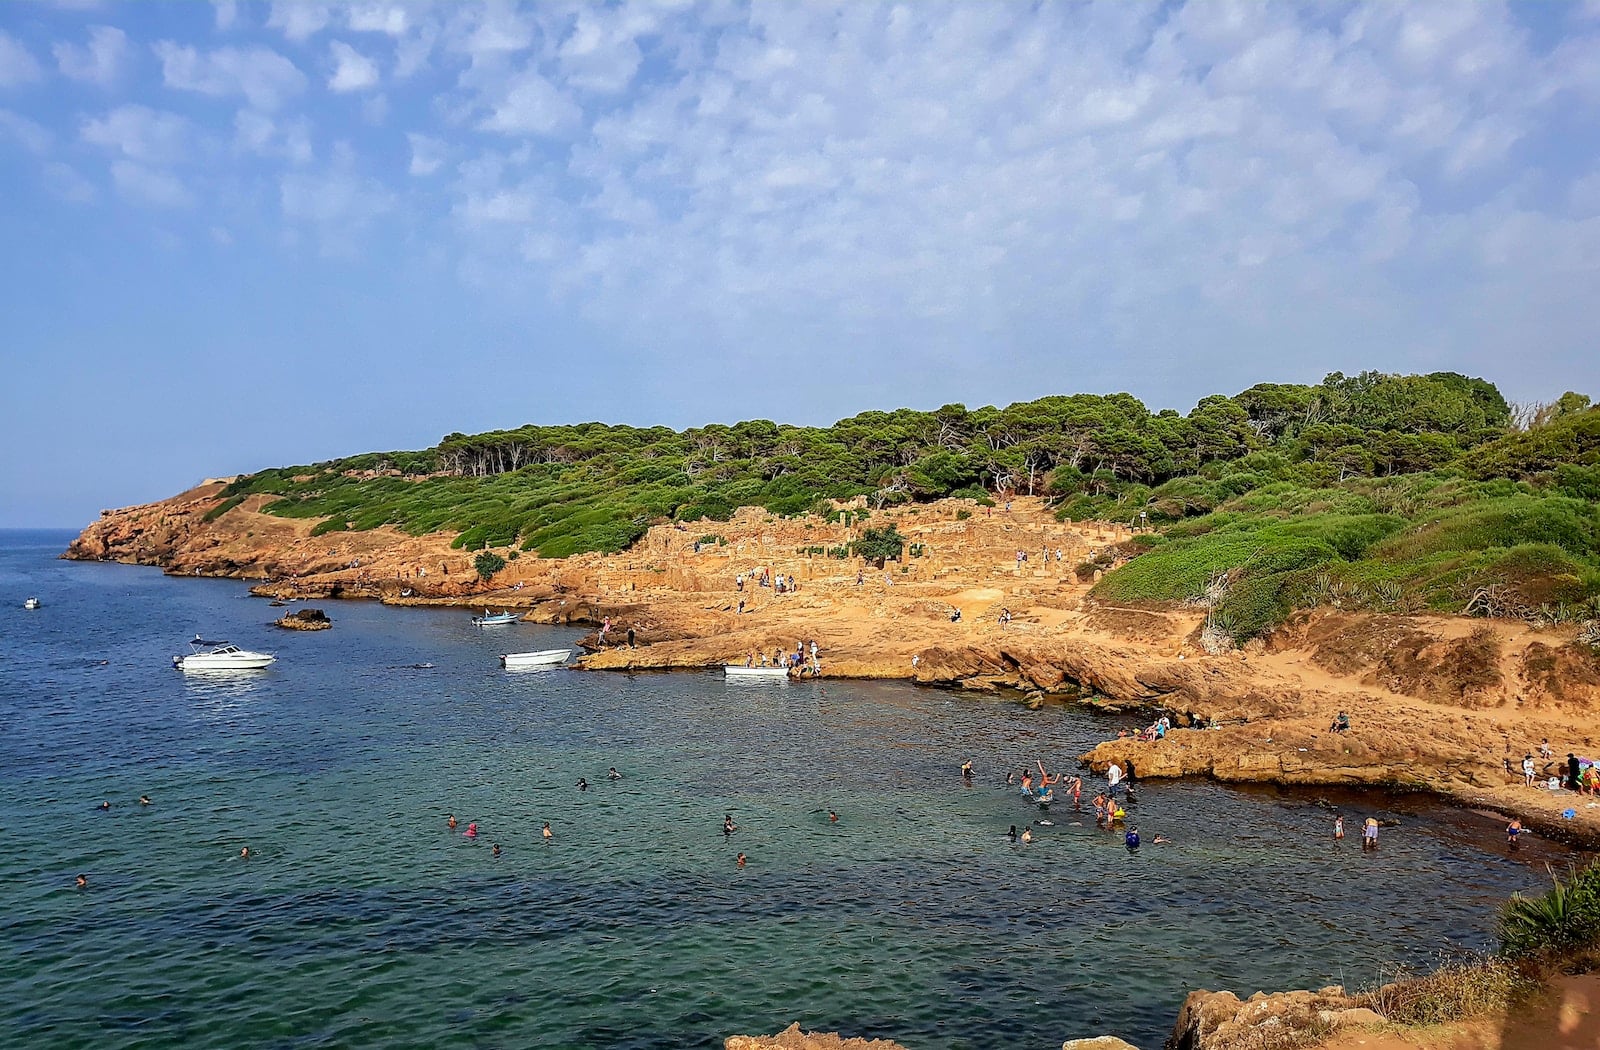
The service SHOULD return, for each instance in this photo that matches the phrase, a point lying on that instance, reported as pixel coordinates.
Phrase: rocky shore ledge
(1442, 704)
(1564, 1015)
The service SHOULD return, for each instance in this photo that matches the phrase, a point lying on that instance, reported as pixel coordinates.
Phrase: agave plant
(1567, 914)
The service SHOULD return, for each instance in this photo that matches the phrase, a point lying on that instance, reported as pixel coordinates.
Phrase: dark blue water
(360, 919)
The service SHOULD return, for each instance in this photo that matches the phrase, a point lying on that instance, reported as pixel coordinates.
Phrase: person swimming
(1012, 834)
(740, 860)
(450, 821)
(144, 800)
(1131, 838)
(833, 818)
(472, 830)
(966, 769)
(496, 851)
(83, 881)
(104, 805)
(244, 852)
(1027, 834)
(1161, 840)
(728, 826)
(612, 774)
(547, 833)
(582, 785)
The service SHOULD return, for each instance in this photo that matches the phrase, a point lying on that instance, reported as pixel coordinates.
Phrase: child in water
(1338, 828)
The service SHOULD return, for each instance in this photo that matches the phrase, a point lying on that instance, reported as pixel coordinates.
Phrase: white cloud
(227, 12)
(377, 18)
(63, 181)
(140, 133)
(297, 19)
(99, 61)
(427, 153)
(269, 136)
(24, 132)
(338, 200)
(353, 71)
(144, 185)
(17, 64)
(260, 74)
(531, 105)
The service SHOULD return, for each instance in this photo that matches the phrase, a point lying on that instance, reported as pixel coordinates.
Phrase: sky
(241, 235)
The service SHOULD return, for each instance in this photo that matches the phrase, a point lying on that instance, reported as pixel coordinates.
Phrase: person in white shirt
(1114, 778)
(1527, 771)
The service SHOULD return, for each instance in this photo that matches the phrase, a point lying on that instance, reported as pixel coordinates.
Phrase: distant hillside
(1377, 491)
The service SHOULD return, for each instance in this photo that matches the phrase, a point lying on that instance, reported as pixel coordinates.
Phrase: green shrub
(1564, 918)
(487, 564)
(322, 528)
(222, 508)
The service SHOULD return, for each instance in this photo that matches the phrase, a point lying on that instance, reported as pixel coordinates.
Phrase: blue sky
(240, 235)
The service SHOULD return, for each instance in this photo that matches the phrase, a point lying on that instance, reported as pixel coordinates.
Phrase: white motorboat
(759, 674)
(31, 603)
(542, 658)
(220, 656)
(498, 619)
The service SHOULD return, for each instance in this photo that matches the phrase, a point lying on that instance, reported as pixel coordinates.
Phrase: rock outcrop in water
(1221, 1021)
(792, 1038)
(304, 620)
(1439, 703)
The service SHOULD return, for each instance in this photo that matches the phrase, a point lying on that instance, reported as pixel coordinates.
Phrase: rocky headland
(1442, 704)
(1447, 705)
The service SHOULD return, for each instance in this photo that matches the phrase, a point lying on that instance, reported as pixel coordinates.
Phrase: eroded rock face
(792, 1038)
(1221, 1021)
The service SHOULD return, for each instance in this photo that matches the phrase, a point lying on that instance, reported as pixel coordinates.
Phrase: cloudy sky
(239, 235)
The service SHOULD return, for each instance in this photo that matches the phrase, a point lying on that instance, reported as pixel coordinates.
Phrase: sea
(360, 918)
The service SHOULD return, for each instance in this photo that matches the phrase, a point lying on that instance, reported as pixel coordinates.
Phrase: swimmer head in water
(613, 774)
(496, 851)
(547, 833)
(833, 818)
(740, 861)
(583, 785)
(83, 881)
(104, 805)
(144, 800)
(450, 821)
(244, 853)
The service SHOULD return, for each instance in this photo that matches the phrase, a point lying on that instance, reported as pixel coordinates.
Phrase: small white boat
(542, 658)
(220, 656)
(770, 674)
(31, 603)
(498, 619)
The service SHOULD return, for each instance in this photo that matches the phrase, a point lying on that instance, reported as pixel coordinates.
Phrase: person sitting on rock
(1341, 724)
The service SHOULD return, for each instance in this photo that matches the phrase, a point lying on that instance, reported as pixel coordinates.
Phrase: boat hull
(543, 658)
(755, 674)
(230, 662)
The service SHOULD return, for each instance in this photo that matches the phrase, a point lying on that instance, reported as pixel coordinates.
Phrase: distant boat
(542, 658)
(498, 619)
(220, 656)
(31, 603)
(771, 674)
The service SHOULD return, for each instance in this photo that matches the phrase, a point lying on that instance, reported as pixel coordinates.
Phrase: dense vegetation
(1374, 490)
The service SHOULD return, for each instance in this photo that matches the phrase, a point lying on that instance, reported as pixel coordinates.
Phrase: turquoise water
(361, 920)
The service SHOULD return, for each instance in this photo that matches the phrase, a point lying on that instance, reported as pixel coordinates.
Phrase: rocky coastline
(1447, 705)
(1438, 704)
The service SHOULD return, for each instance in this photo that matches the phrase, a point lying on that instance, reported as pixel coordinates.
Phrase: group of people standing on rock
(796, 661)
